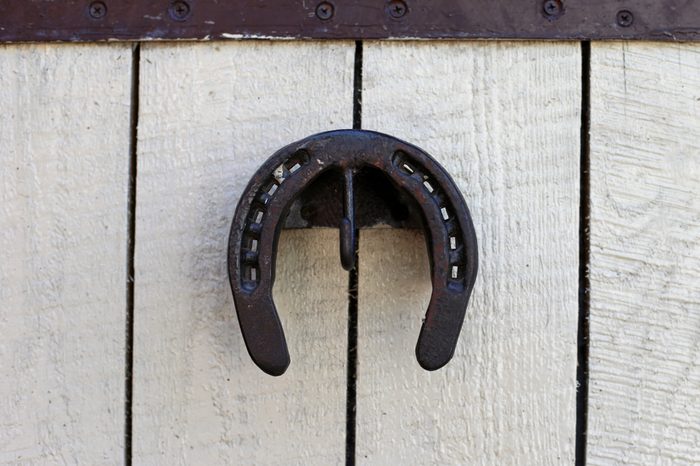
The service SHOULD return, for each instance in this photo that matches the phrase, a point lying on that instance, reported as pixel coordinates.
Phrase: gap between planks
(130, 249)
(584, 259)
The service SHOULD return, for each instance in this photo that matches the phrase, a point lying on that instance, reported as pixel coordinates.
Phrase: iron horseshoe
(260, 214)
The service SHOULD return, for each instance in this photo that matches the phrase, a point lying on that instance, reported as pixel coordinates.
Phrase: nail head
(324, 11)
(397, 9)
(97, 10)
(179, 10)
(625, 18)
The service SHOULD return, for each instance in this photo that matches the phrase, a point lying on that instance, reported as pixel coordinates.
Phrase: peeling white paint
(226, 35)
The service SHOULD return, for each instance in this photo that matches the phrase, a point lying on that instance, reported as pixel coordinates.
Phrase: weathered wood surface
(503, 119)
(64, 168)
(645, 254)
(210, 115)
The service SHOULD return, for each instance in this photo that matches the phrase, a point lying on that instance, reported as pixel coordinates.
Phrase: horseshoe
(264, 205)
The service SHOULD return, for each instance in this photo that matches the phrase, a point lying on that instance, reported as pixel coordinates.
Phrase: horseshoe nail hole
(428, 186)
(254, 245)
(455, 271)
(445, 215)
(272, 189)
(453, 243)
(258, 216)
(250, 274)
(399, 160)
(296, 161)
(408, 169)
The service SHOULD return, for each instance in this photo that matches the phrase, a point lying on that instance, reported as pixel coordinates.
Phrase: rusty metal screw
(625, 18)
(179, 10)
(553, 8)
(397, 8)
(97, 10)
(324, 10)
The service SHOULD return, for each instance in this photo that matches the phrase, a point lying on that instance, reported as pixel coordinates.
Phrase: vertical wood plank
(211, 114)
(645, 254)
(503, 119)
(64, 169)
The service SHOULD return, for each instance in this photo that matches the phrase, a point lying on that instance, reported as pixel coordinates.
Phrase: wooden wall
(113, 156)
(645, 254)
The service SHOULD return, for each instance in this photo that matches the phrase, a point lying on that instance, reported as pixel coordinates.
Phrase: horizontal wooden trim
(105, 20)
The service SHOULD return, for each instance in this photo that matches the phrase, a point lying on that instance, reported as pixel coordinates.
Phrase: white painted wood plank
(504, 119)
(645, 254)
(210, 115)
(64, 168)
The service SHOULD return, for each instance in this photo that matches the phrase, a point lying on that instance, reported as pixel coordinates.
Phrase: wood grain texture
(503, 119)
(645, 254)
(210, 115)
(64, 168)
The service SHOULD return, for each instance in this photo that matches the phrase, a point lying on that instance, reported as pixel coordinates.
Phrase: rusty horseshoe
(260, 214)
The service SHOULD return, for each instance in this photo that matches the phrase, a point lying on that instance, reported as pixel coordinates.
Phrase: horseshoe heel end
(263, 335)
(440, 331)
